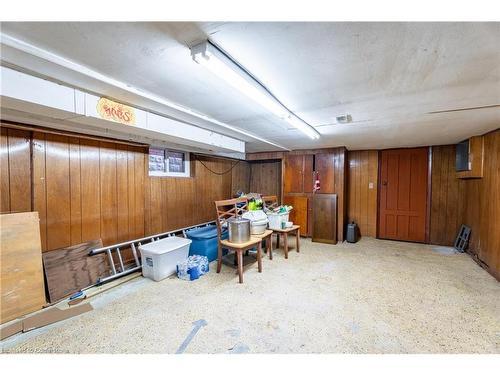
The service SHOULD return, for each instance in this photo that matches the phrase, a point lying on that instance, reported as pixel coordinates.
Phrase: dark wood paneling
(39, 190)
(265, 155)
(122, 193)
(265, 178)
(172, 203)
(482, 207)
(85, 189)
(4, 172)
(362, 190)
(138, 161)
(240, 178)
(75, 191)
(58, 191)
(18, 144)
(90, 190)
(447, 197)
(108, 190)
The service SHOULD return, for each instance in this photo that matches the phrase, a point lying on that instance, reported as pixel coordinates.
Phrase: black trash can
(352, 232)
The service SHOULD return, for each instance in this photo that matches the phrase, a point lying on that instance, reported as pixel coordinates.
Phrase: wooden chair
(270, 201)
(225, 210)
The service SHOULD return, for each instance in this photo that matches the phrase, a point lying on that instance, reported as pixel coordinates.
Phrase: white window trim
(187, 166)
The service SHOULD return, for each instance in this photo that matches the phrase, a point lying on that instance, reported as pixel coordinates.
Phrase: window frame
(166, 172)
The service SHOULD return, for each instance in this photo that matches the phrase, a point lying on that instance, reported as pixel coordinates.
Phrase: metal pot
(239, 230)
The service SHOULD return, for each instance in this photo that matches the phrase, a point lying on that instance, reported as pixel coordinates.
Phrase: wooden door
(403, 194)
(299, 214)
(298, 174)
(324, 222)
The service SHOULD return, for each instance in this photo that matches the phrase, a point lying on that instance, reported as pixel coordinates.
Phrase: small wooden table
(266, 236)
(239, 248)
(294, 229)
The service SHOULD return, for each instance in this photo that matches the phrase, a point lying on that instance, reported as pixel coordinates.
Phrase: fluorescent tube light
(219, 64)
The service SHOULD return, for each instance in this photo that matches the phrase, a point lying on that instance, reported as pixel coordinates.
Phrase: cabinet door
(325, 166)
(300, 211)
(324, 221)
(294, 168)
(308, 174)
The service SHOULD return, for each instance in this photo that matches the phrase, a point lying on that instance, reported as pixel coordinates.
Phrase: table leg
(270, 246)
(277, 240)
(285, 244)
(259, 256)
(298, 239)
(240, 265)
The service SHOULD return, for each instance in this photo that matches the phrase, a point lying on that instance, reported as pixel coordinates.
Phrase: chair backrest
(270, 201)
(227, 209)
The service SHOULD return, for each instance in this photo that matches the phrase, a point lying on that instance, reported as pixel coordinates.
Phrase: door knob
(384, 183)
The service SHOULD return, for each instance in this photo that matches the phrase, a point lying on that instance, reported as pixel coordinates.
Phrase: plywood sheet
(21, 272)
(71, 268)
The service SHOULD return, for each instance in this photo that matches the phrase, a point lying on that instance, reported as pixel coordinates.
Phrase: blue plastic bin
(205, 241)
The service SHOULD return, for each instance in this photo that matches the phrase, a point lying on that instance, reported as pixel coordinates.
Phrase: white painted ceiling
(388, 76)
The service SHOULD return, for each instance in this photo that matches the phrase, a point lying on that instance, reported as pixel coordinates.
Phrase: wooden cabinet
(324, 221)
(476, 159)
(325, 167)
(298, 174)
(299, 214)
(298, 182)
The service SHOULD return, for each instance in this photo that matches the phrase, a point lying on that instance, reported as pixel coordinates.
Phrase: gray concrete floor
(371, 297)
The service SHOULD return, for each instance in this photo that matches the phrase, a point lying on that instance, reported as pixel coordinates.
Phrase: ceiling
(389, 76)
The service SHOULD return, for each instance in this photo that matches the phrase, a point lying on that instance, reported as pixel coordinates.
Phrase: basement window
(168, 163)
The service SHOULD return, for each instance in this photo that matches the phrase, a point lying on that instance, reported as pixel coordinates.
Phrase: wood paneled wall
(482, 207)
(87, 189)
(173, 203)
(265, 178)
(15, 166)
(362, 190)
(240, 177)
(447, 197)
(473, 202)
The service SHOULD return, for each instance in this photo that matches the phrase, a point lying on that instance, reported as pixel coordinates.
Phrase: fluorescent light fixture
(222, 66)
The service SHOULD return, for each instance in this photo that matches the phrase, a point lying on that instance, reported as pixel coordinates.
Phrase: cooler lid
(165, 245)
(203, 233)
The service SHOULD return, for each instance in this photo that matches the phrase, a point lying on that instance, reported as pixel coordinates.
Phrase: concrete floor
(370, 297)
